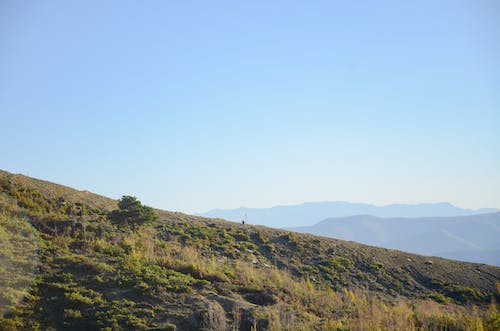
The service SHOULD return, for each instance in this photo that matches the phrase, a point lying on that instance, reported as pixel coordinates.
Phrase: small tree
(132, 212)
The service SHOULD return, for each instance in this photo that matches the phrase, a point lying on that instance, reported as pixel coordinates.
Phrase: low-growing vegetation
(129, 267)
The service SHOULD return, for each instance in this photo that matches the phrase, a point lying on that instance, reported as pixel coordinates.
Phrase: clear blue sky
(193, 105)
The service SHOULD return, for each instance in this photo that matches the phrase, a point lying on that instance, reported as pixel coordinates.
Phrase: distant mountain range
(472, 238)
(310, 213)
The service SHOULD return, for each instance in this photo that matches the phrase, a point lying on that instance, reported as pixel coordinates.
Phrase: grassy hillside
(67, 266)
(53, 191)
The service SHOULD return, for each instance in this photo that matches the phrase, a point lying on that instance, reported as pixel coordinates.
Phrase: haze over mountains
(310, 213)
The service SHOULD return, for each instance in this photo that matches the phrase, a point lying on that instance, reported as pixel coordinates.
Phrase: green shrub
(132, 213)
(72, 314)
(438, 297)
(376, 265)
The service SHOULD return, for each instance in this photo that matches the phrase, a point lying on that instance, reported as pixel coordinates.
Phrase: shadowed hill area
(182, 272)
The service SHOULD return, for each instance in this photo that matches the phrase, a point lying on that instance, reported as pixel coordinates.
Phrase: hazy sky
(193, 105)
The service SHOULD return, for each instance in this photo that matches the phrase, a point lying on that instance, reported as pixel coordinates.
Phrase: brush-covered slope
(81, 269)
(52, 191)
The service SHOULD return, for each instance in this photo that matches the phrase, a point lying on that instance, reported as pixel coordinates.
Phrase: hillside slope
(191, 273)
(54, 191)
(469, 238)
